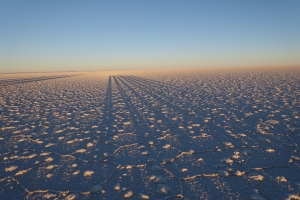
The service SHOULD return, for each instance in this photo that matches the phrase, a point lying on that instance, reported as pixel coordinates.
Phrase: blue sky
(53, 35)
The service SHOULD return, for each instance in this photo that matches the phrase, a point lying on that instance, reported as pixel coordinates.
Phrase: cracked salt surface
(198, 134)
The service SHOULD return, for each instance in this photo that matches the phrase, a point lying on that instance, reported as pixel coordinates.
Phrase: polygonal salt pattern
(196, 134)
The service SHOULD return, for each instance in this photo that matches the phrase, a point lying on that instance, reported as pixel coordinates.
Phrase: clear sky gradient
(55, 35)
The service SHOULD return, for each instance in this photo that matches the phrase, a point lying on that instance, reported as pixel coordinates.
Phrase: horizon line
(145, 69)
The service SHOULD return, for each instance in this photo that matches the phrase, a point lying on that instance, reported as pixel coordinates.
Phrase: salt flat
(173, 134)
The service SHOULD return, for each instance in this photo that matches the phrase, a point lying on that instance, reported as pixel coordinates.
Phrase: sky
(58, 35)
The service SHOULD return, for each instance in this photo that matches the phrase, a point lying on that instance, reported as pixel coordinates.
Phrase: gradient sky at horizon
(56, 35)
